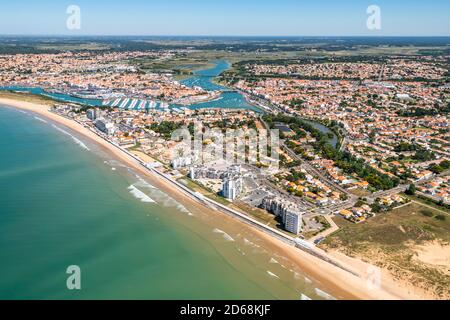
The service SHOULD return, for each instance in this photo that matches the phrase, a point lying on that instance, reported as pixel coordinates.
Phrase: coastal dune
(346, 284)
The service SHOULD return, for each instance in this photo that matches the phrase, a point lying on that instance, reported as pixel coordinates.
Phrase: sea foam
(138, 194)
(273, 261)
(225, 235)
(162, 198)
(249, 243)
(76, 140)
(324, 295)
(273, 275)
(40, 119)
(143, 183)
(305, 297)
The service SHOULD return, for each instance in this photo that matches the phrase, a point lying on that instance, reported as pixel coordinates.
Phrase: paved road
(311, 169)
(430, 207)
(334, 227)
(391, 192)
(403, 188)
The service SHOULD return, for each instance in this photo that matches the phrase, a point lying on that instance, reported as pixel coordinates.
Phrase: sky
(226, 17)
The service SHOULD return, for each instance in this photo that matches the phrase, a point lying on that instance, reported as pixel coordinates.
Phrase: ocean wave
(297, 275)
(40, 119)
(273, 275)
(114, 164)
(142, 183)
(273, 261)
(162, 198)
(305, 297)
(138, 194)
(225, 235)
(249, 243)
(171, 203)
(324, 295)
(76, 140)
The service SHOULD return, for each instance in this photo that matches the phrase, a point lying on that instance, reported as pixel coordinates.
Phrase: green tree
(411, 190)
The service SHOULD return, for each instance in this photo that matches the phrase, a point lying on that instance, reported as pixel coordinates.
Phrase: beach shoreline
(348, 285)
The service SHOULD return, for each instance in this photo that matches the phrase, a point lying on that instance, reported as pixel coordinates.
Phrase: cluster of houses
(337, 175)
(438, 189)
(388, 202)
(310, 188)
(357, 214)
(362, 213)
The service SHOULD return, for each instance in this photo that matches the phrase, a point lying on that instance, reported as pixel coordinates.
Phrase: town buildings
(289, 213)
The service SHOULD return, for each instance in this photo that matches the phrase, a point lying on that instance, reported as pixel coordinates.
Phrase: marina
(228, 99)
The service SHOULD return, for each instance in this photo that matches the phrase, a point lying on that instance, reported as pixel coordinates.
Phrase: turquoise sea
(64, 201)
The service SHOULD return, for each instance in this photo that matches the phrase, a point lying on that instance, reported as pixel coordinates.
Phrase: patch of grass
(360, 192)
(429, 202)
(28, 97)
(388, 240)
(411, 222)
(204, 191)
(427, 213)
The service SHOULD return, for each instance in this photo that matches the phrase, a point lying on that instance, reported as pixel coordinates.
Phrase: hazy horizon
(216, 36)
(227, 18)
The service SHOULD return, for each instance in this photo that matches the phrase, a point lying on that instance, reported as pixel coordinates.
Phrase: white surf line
(40, 119)
(273, 261)
(143, 183)
(273, 275)
(225, 235)
(161, 197)
(324, 295)
(138, 194)
(249, 243)
(77, 141)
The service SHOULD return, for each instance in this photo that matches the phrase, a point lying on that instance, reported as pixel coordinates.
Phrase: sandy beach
(348, 285)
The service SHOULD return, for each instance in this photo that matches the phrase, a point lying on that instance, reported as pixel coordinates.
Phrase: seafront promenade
(343, 274)
(298, 243)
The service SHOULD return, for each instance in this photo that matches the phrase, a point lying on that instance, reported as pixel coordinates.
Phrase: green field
(27, 97)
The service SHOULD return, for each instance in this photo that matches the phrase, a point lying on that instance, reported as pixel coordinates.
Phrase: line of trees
(344, 160)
